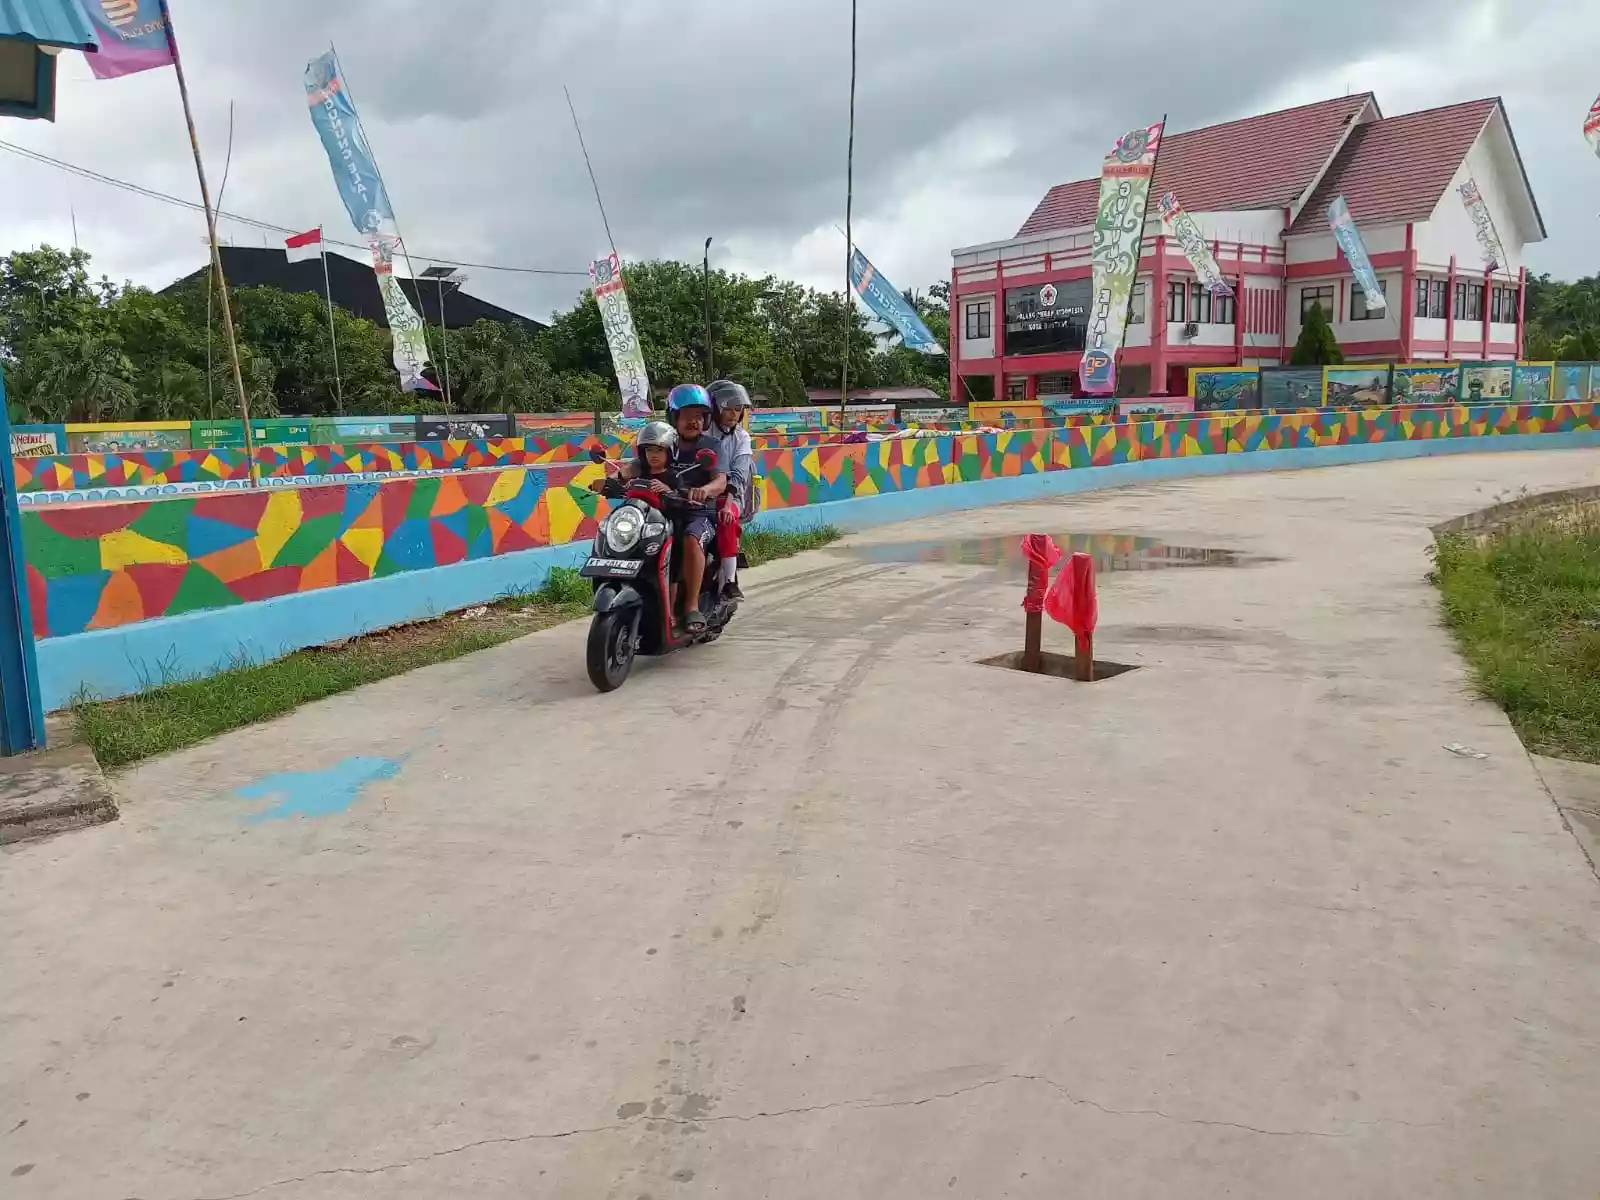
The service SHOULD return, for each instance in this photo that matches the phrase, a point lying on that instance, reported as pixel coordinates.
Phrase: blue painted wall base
(131, 658)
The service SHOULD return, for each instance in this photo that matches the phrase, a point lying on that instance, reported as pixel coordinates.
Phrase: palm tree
(81, 375)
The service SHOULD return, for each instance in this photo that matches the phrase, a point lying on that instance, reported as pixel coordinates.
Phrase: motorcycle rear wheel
(610, 652)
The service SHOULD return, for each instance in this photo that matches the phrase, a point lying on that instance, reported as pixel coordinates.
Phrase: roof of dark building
(355, 288)
(1395, 170)
(1260, 162)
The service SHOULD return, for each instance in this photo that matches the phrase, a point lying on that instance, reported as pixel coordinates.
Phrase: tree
(77, 348)
(1317, 345)
(497, 368)
(79, 375)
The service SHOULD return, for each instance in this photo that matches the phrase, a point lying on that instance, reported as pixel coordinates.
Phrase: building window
(1177, 300)
(980, 320)
(1322, 296)
(1222, 309)
(1016, 387)
(1436, 299)
(1422, 297)
(1469, 301)
(1199, 304)
(1358, 304)
(1136, 314)
(1503, 306)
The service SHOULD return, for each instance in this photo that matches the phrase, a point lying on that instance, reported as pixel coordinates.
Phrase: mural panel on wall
(1426, 383)
(1291, 387)
(1531, 382)
(1218, 390)
(1481, 382)
(1356, 386)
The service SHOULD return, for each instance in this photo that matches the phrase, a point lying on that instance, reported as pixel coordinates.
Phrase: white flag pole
(333, 336)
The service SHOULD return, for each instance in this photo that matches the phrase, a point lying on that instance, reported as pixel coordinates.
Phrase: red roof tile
(1395, 170)
(1266, 161)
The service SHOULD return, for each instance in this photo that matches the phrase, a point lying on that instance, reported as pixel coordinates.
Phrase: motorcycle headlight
(622, 529)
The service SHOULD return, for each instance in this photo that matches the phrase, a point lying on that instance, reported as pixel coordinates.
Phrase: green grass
(177, 715)
(1525, 607)
(763, 547)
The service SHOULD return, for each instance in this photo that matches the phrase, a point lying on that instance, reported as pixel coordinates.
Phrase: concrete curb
(1499, 514)
(51, 791)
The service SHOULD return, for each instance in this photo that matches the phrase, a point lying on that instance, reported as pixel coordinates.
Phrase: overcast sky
(728, 119)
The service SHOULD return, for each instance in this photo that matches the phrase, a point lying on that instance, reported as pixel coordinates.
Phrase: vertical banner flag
(1186, 230)
(367, 202)
(132, 35)
(626, 353)
(885, 300)
(1494, 254)
(1118, 238)
(1349, 239)
(1591, 126)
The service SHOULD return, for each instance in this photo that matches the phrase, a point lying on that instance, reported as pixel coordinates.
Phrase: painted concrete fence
(99, 567)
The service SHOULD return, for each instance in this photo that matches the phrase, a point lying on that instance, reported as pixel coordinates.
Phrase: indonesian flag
(1591, 125)
(303, 247)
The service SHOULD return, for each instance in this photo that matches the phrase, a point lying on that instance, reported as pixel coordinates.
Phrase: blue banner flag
(342, 136)
(133, 37)
(884, 299)
(1349, 239)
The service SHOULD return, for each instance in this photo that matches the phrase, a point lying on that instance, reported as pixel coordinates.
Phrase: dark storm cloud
(703, 116)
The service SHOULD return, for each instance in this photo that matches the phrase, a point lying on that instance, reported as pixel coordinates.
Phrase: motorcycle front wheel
(611, 649)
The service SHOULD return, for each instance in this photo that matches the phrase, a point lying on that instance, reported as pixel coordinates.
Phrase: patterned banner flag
(1483, 225)
(365, 199)
(1195, 247)
(1591, 125)
(884, 299)
(1118, 238)
(132, 34)
(1349, 239)
(405, 326)
(626, 353)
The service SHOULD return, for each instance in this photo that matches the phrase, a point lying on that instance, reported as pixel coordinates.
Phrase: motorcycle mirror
(707, 459)
(597, 455)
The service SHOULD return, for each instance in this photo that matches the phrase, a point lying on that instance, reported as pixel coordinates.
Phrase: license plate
(611, 568)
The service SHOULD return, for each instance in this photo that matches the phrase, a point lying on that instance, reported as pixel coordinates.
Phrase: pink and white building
(1260, 189)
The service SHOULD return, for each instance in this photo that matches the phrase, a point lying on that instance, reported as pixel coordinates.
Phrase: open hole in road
(1058, 666)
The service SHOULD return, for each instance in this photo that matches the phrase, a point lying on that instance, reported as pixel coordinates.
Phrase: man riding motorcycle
(730, 402)
(689, 411)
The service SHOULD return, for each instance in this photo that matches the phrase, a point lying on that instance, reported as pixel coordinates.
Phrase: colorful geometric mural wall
(95, 566)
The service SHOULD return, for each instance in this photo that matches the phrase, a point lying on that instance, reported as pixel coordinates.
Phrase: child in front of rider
(730, 402)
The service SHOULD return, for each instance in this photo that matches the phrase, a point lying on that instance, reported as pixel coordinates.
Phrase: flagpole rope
(253, 222)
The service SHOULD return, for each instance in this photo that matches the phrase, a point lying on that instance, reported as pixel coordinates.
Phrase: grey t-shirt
(686, 453)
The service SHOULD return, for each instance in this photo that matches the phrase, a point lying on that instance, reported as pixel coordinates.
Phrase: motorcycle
(631, 566)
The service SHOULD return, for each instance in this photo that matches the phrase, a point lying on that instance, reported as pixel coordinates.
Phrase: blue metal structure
(48, 23)
(28, 82)
(21, 707)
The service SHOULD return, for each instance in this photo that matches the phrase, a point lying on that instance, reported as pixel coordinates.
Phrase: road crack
(858, 1103)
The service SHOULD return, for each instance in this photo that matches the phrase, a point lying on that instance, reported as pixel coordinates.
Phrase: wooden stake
(216, 253)
(1032, 638)
(1084, 664)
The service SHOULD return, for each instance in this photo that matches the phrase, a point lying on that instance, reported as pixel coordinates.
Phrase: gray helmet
(725, 393)
(656, 433)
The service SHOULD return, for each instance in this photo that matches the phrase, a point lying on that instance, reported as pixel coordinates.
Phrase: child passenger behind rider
(730, 402)
(689, 410)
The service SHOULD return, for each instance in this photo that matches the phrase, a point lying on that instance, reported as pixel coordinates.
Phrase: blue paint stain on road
(317, 793)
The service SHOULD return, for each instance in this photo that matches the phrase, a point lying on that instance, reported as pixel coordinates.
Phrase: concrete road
(829, 910)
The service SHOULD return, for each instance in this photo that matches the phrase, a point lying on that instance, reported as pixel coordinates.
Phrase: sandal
(695, 622)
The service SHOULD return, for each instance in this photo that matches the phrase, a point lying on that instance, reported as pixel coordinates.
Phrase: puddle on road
(1110, 551)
